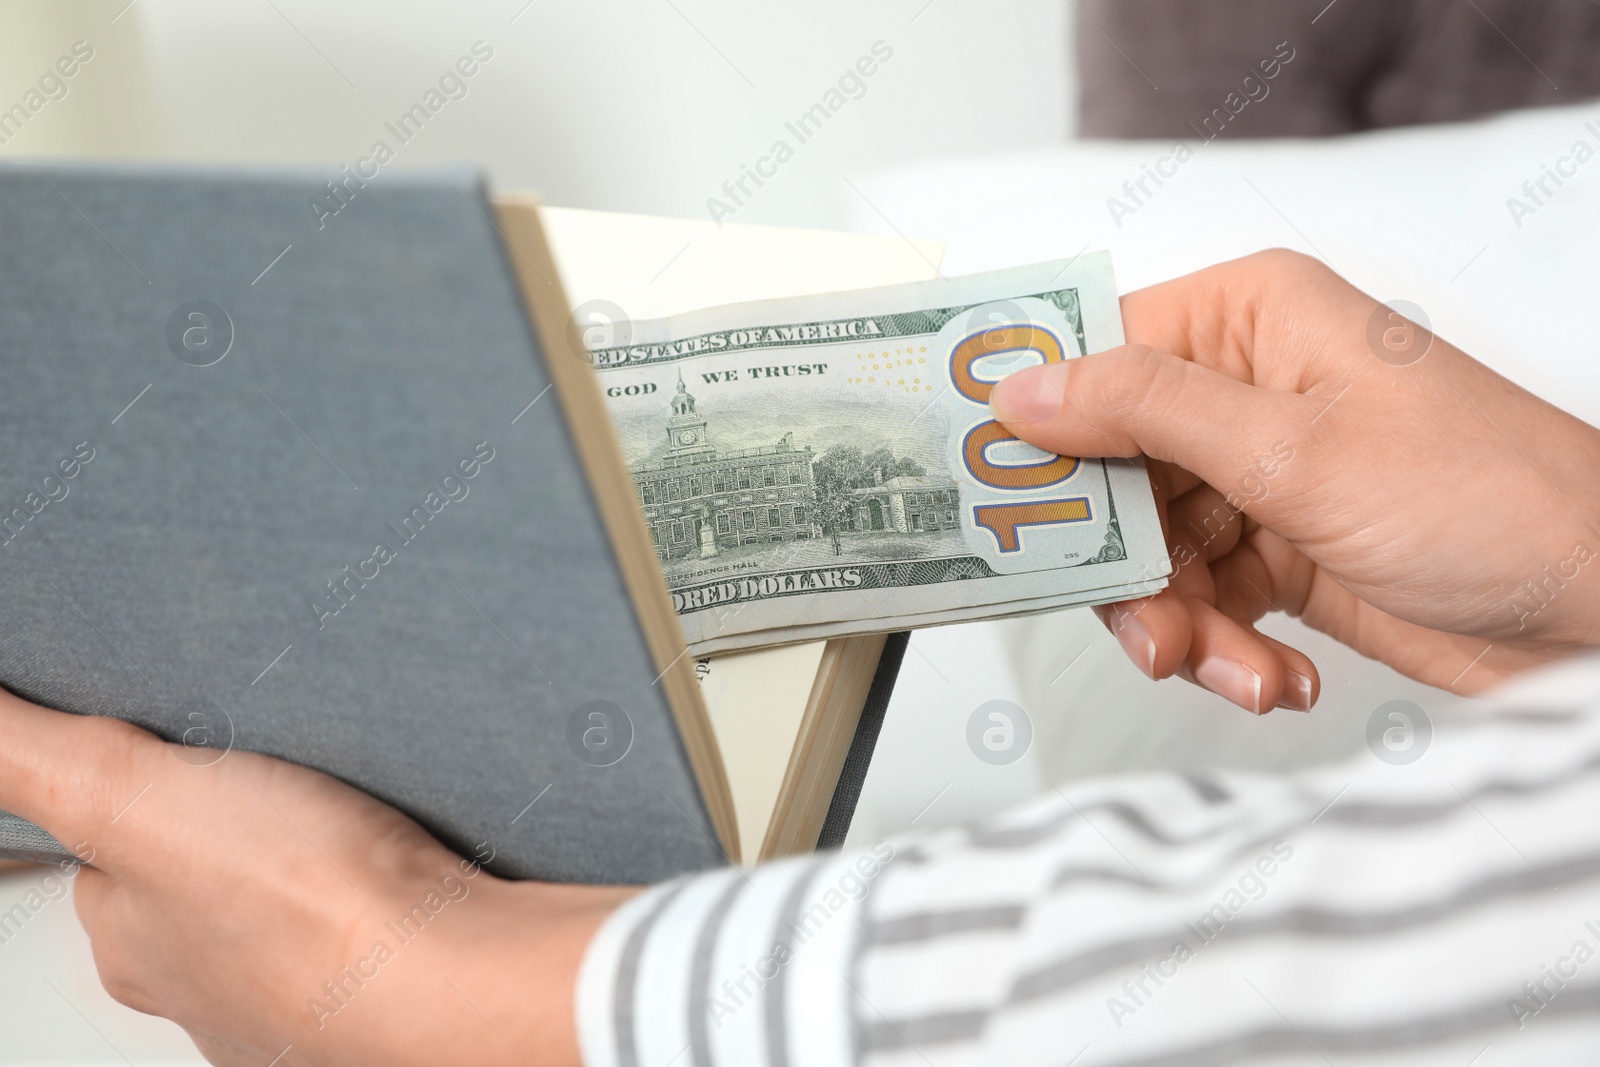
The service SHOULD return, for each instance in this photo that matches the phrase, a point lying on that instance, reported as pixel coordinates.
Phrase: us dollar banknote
(827, 465)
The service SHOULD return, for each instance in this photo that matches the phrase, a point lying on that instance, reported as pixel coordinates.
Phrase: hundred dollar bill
(827, 465)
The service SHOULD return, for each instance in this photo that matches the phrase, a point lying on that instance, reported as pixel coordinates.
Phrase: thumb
(74, 776)
(1135, 399)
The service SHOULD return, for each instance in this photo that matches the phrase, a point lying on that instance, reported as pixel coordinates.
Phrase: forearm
(1160, 919)
(716, 966)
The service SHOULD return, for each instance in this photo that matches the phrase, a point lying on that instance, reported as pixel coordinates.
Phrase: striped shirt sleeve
(1444, 910)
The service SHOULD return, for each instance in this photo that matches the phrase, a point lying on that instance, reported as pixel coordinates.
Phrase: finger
(1457, 662)
(1156, 632)
(1205, 521)
(72, 775)
(1169, 481)
(1213, 651)
(1149, 630)
(1246, 588)
(1244, 583)
(1302, 682)
(1263, 573)
(1232, 660)
(1135, 399)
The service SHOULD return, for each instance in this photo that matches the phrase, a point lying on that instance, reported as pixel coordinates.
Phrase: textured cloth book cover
(284, 474)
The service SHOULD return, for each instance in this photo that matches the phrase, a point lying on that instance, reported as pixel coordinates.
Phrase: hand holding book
(281, 916)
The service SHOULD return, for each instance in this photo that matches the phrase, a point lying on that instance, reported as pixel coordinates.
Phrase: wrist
(529, 964)
(499, 986)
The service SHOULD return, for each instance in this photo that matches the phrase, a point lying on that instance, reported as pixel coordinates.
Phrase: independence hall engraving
(698, 500)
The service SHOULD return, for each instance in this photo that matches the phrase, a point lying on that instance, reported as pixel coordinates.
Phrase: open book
(309, 503)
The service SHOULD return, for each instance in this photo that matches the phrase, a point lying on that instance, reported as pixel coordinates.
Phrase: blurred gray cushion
(1159, 68)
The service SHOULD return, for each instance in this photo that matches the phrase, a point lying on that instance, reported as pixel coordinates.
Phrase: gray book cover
(284, 473)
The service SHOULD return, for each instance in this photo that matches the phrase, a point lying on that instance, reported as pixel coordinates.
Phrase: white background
(626, 105)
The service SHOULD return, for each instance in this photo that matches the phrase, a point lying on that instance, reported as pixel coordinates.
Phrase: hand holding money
(824, 466)
(1316, 452)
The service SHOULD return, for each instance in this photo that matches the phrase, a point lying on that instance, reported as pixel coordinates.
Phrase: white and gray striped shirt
(1446, 912)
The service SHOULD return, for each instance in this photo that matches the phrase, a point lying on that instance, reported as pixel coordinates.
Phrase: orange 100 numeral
(998, 341)
(974, 454)
(1005, 521)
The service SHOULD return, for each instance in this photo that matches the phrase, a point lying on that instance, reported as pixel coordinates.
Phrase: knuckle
(112, 732)
(113, 746)
(113, 763)
(1285, 259)
(1162, 380)
(119, 984)
(1132, 380)
(1288, 265)
(117, 967)
(125, 992)
(1145, 389)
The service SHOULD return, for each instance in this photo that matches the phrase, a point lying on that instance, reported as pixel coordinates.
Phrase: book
(332, 485)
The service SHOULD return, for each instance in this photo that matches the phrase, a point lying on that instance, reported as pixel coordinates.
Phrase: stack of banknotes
(823, 466)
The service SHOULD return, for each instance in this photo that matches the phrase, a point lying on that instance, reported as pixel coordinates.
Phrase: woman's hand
(281, 917)
(1313, 453)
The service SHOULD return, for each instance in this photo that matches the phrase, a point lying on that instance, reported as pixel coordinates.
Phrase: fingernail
(1135, 640)
(1296, 692)
(1032, 395)
(1231, 679)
